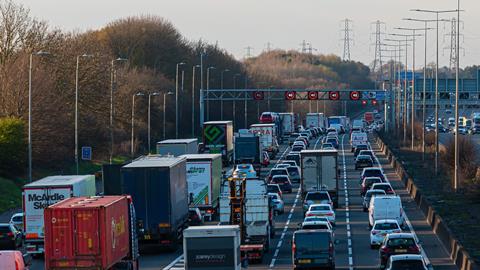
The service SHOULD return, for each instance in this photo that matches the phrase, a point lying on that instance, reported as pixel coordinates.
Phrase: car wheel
(372, 246)
(365, 209)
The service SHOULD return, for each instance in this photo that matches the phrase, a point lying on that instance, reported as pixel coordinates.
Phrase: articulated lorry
(268, 137)
(320, 172)
(289, 122)
(248, 150)
(158, 186)
(91, 233)
(218, 139)
(204, 177)
(177, 147)
(315, 120)
(42, 193)
(252, 210)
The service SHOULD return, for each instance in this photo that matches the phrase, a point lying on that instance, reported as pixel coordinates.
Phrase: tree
(12, 146)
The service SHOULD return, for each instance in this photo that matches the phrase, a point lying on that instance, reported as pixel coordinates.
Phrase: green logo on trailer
(213, 134)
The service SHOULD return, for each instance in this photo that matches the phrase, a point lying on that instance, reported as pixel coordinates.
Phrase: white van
(386, 207)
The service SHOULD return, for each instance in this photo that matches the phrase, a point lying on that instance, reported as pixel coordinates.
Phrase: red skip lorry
(91, 233)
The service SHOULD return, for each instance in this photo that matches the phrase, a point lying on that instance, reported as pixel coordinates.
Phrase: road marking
(174, 262)
(347, 208)
(407, 220)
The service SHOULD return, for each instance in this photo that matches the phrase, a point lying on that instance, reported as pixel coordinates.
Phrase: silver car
(278, 205)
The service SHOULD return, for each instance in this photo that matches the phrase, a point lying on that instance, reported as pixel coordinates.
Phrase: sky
(238, 24)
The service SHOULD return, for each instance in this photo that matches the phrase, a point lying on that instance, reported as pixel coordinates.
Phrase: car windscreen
(279, 180)
(17, 219)
(316, 196)
(319, 208)
(292, 170)
(370, 181)
(369, 173)
(312, 243)
(278, 172)
(407, 265)
(386, 226)
(272, 188)
(5, 229)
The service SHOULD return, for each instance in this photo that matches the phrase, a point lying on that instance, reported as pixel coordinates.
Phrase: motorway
(353, 250)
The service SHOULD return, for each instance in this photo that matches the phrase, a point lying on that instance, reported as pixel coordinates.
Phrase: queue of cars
(398, 249)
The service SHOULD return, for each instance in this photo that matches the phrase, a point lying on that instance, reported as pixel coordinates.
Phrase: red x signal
(334, 95)
(290, 95)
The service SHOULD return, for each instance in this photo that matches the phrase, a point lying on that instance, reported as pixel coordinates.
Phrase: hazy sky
(236, 24)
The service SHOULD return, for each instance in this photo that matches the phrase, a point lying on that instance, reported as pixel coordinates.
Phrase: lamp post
(39, 53)
(436, 12)
(457, 66)
(221, 95)
(76, 108)
(164, 111)
(208, 88)
(193, 99)
(113, 74)
(149, 118)
(234, 103)
(176, 98)
(132, 148)
(413, 80)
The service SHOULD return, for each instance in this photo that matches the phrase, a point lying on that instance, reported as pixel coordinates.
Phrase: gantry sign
(363, 96)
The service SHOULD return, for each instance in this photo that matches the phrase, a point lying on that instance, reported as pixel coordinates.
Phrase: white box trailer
(204, 176)
(42, 193)
(268, 137)
(288, 123)
(212, 247)
(177, 147)
(315, 120)
(320, 172)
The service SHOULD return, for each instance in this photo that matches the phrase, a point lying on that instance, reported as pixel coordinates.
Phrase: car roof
(320, 204)
(364, 156)
(386, 221)
(280, 176)
(373, 169)
(381, 184)
(308, 231)
(376, 190)
(400, 235)
(315, 222)
(402, 257)
(317, 191)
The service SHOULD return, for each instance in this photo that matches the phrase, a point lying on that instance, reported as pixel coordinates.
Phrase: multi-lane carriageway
(353, 250)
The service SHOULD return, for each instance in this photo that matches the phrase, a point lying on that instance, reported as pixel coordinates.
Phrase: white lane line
(281, 157)
(407, 220)
(347, 209)
(285, 229)
(173, 263)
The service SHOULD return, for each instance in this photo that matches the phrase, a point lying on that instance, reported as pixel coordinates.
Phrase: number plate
(304, 261)
(147, 237)
(400, 250)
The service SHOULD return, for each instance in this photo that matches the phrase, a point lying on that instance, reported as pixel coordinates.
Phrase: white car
(17, 220)
(316, 225)
(315, 218)
(408, 261)
(300, 143)
(380, 229)
(322, 210)
(278, 205)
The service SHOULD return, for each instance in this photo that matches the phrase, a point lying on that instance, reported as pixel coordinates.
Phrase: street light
(208, 88)
(76, 106)
(39, 53)
(132, 148)
(221, 95)
(436, 12)
(113, 74)
(234, 103)
(164, 116)
(149, 117)
(176, 99)
(193, 99)
(413, 79)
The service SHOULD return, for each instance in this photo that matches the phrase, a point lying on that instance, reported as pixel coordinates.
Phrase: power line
(346, 31)
(249, 51)
(453, 45)
(377, 63)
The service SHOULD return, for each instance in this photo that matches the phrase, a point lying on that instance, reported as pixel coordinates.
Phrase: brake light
(385, 249)
(294, 248)
(209, 211)
(10, 234)
(309, 214)
(330, 248)
(17, 267)
(374, 232)
(414, 249)
(329, 214)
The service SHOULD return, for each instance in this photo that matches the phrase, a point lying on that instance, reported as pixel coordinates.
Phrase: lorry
(158, 186)
(358, 138)
(39, 194)
(320, 172)
(218, 139)
(268, 137)
(91, 233)
(315, 120)
(339, 122)
(289, 122)
(245, 202)
(204, 176)
(212, 247)
(177, 147)
(368, 117)
(248, 150)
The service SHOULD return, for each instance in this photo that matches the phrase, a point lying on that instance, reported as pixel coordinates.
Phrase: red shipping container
(87, 232)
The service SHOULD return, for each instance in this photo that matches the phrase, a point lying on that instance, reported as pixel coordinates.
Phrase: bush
(467, 154)
(12, 146)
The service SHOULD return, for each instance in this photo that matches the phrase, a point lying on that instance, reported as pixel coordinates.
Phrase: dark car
(313, 249)
(295, 156)
(277, 171)
(10, 237)
(274, 188)
(367, 153)
(333, 141)
(284, 182)
(293, 137)
(368, 183)
(363, 161)
(194, 217)
(372, 172)
(297, 148)
(397, 243)
(359, 148)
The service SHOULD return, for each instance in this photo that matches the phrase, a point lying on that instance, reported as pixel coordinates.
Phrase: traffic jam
(238, 199)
